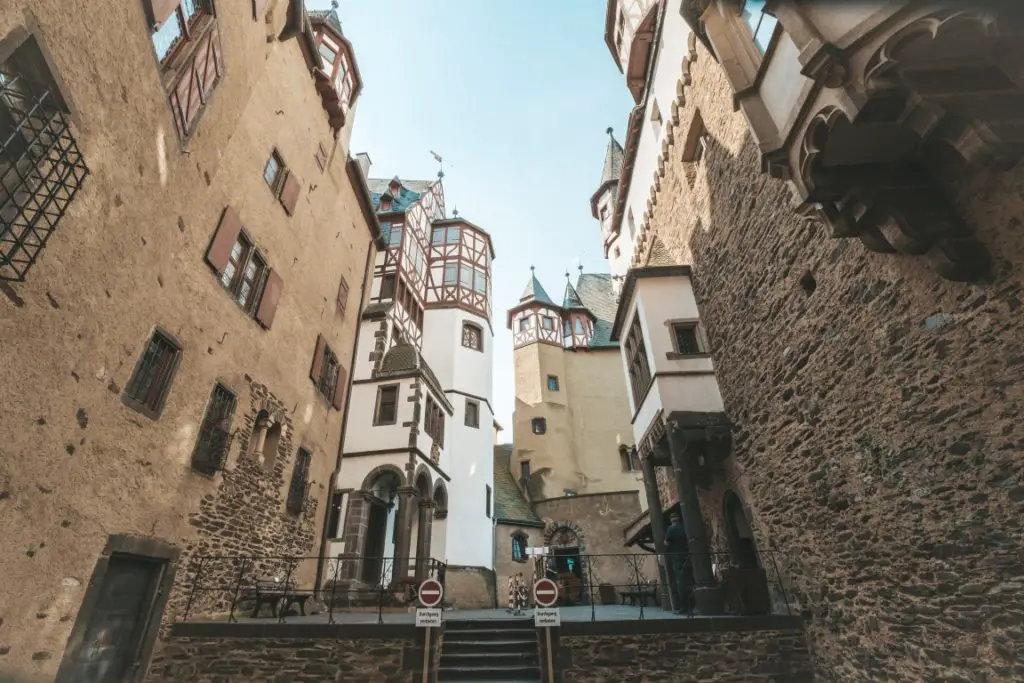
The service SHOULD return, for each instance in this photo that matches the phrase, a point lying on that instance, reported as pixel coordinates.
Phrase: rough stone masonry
(876, 407)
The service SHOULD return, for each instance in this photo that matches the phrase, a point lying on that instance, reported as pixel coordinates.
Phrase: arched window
(472, 337)
(519, 543)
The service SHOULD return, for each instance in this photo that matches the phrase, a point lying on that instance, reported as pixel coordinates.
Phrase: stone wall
(469, 587)
(504, 565)
(747, 657)
(298, 660)
(878, 439)
(76, 464)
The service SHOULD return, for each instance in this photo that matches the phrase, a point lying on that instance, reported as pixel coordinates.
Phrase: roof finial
(531, 270)
(334, 4)
(567, 275)
(580, 268)
(440, 164)
(609, 131)
(455, 212)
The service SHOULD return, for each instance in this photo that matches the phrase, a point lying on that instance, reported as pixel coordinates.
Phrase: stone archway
(566, 562)
(372, 516)
(424, 521)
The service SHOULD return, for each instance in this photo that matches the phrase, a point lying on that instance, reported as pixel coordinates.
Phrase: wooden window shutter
(343, 295)
(271, 295)
(160, 10)
(290, 193)
(339, 389)
(318, 360)
(219, 252)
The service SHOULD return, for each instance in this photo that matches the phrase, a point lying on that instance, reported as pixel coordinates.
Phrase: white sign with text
(428, 617)
(547, 616)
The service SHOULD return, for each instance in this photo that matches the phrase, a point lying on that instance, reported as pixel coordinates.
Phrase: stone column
(259, 437)
(403, 531)
(657, 516)
(423, 538)
(684, 445)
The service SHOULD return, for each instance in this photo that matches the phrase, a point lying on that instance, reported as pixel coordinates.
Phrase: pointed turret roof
(535, 292)
(571, 299)
(612, 160)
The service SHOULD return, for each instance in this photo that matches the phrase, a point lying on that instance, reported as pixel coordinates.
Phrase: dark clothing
(679, 567)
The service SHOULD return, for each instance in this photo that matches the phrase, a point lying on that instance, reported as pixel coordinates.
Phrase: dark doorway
(108, 652)
(568, 568)
(376, 527)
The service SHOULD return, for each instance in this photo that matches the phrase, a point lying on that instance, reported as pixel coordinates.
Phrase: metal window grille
(299, 483)
(329, 377)
(41, 171)
(152, 377)
(686, 339)
(214, 434)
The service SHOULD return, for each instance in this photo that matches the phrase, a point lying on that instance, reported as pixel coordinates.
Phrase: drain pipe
(358, 181)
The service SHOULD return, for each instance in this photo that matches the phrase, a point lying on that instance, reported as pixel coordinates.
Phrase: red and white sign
(431, 593)
(545, 593)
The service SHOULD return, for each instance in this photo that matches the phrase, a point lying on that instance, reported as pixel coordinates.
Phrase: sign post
(430, 594)
(545, 595)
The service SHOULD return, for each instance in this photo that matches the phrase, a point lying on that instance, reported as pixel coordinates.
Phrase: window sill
(672, 355)
(142, 408)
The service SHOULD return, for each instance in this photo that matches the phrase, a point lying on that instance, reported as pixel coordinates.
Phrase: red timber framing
(536, 323)
(460, 267)
(577, 329)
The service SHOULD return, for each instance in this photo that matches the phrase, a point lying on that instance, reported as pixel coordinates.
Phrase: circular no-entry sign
(431, 593)
(545, 592)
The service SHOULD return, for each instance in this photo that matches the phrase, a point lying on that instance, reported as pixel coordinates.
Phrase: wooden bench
(641, 593)
(270, 591)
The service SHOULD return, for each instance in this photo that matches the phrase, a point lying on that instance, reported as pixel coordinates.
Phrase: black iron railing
(748, 584)
(277, 587)
(41, 171)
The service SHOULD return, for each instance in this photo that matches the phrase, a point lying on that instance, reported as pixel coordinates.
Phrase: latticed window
(215, 432)
(300, 482)
(329, 376)
(41, 167)
(685, 338)
(148, 387)
(472, 337)
(636, 357)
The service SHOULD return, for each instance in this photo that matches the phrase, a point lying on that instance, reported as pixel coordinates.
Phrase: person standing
(679, 564)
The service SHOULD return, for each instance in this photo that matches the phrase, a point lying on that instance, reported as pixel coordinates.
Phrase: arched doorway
(380, 523)
(742, 547)
(565, 564)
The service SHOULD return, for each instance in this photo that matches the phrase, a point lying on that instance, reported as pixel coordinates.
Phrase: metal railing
(230, 588)
(647, 585)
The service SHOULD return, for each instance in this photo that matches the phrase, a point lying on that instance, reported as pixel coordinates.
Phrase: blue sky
(516, 97)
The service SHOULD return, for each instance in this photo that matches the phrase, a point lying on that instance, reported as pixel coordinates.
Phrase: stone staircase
(490, 650)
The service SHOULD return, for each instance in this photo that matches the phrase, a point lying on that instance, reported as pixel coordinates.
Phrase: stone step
(489, 673)
(507, 646)
(517, 623)
(462, 660)
(484, 635)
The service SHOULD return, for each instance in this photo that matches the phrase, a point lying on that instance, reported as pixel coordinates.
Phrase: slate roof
(329, 16)
(535, 292)
(408, 194)
(612, 160)
(596, 293)
(509, 503)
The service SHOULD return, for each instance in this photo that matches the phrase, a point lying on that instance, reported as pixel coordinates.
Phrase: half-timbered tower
(418, 441)
(571, 416)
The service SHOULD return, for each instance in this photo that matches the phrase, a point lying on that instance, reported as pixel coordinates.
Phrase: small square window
(552, 383)
(685, 339)
(387, 287)
(273, 173)
(329, 55)
(539, 425)
(525, 324)
(547, 322)
(524, 469)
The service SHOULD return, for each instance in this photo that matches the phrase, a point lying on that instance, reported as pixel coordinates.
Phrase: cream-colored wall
(600, 415)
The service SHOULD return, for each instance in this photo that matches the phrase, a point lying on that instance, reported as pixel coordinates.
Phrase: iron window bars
(147, 390)
(214, 434)
(41, 171)
(299, 483)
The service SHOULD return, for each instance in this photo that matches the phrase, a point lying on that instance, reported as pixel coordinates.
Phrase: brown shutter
(160, 10)
(208, 64)
(268, 303)
(339, 390)
(224, 240)
(318, 360)
(259, 8)
(290, 193)
(343, 295)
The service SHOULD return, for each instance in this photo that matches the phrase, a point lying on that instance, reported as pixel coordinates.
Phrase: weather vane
(440, 163)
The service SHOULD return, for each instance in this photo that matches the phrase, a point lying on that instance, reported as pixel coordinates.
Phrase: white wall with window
(374, 422)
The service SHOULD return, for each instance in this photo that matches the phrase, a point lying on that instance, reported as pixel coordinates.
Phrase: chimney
(363, 159)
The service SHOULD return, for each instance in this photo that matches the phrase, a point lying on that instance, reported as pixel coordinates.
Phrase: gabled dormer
(536, 318)
(577, 320)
